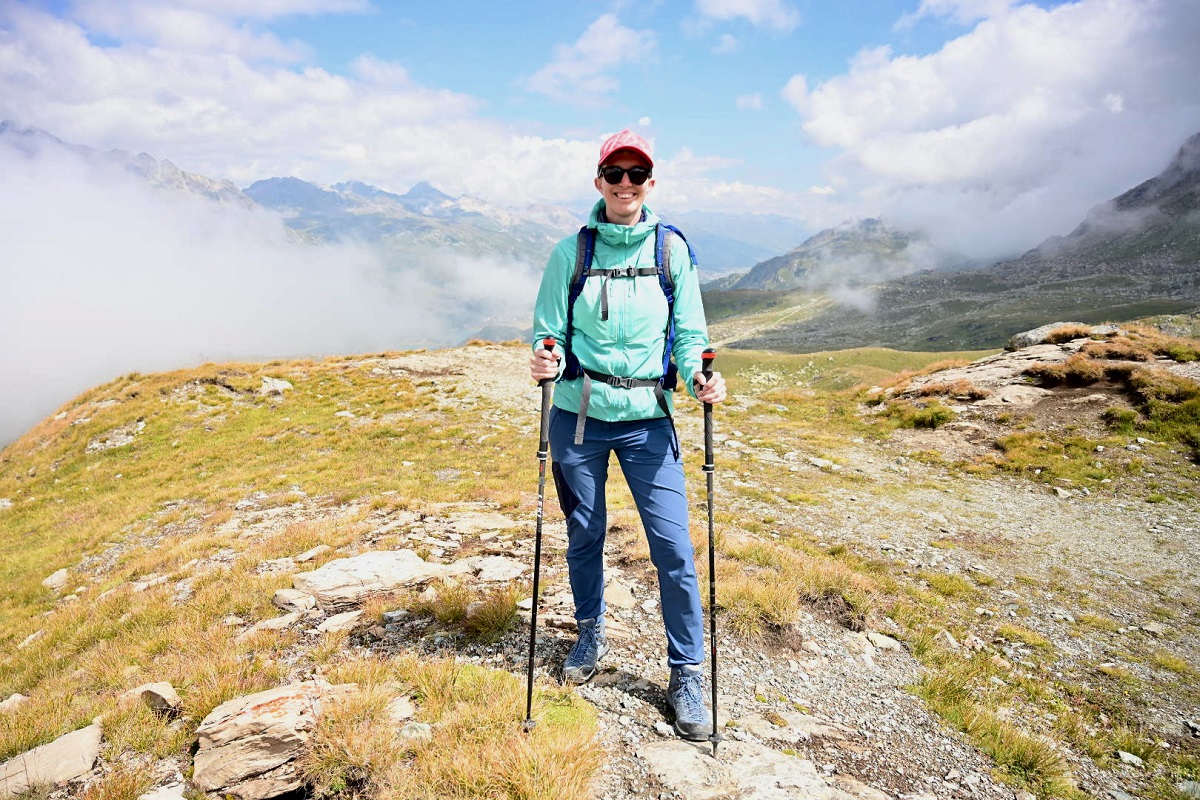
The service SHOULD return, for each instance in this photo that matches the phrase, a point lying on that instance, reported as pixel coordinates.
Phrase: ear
(596, 183)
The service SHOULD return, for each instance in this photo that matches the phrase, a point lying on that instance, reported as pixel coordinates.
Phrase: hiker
(615, 358)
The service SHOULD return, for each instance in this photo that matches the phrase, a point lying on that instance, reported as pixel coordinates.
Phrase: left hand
(710, 391)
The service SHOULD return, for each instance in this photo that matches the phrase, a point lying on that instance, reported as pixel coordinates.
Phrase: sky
(995, 123)
(987, 124)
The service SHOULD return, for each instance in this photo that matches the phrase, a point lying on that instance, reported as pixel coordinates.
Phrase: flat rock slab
(497, 569)
(742, 770)
(346, 582)
(65, 759)
(472, 522)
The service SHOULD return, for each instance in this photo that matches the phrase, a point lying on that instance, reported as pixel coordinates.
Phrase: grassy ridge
(203, 441)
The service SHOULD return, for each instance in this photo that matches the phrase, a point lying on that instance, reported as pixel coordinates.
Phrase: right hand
(543, 365)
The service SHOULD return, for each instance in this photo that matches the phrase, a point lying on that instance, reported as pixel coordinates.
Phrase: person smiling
(613, 397)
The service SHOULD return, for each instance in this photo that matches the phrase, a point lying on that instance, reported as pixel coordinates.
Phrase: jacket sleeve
(550, 309)
(691, 328)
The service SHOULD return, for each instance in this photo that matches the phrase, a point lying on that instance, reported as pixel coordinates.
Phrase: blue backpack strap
(585, 249)
(662, 262)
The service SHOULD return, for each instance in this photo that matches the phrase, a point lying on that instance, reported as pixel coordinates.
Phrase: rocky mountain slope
(35, 143)
(905, 612)
(1137, 255)
(852, 254)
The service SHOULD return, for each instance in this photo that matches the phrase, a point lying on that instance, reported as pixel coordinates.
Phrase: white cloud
(1010, 132)
(963, 12)
(795, 92)
(643, 121)
(104, 275)
(224, 115)
(749, 102)
(773, 14)
(580, 73)
(727, 43)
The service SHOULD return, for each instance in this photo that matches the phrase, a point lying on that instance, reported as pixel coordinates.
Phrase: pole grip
(546, 383)
(706, 361)
(548, 343)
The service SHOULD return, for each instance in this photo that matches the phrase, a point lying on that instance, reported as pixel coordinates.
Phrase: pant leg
(580, 476)
(655, 477)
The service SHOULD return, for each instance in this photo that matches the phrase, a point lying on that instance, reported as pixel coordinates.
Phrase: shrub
(1119, 349)
(907, 415)
(489, 617)
(961, 389)
(1067, 333)
(1078, 370)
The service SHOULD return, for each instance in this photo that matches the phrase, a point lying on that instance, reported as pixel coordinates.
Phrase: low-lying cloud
(1012, 131)
(104, 274)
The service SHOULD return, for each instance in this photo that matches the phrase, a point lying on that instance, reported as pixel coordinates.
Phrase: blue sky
(990, 124)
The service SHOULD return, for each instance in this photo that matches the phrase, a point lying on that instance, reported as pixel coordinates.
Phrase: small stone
(347, 621)
(309, 555)
(1154, 628)
(882, 641)
(400, 709)
(57, 581)
(30, 639)
(14, 700)
(161, 698)
(418, 731)
(1063, 493)
(274, 386)
(1189, 788)
(1130, 758)
(663, 729)
(293, 600)
(391, 617)
(946, 639)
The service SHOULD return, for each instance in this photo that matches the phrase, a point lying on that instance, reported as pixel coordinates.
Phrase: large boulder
(346, 582)
(248, 746)
(65, 759)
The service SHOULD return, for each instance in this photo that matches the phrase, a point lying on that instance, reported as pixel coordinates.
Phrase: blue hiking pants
(645, 450)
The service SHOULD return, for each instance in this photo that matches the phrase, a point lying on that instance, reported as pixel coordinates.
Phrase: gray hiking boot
(592, 646)
(685, 696)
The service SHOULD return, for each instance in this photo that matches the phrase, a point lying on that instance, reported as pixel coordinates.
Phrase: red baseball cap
(625, 140)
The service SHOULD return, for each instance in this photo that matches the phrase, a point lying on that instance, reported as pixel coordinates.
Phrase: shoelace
(689, 699)
(585, 649)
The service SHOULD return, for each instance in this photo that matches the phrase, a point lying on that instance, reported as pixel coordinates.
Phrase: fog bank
(104, 275)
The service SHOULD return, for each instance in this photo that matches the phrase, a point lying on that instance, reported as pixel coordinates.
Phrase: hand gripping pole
(542, 454)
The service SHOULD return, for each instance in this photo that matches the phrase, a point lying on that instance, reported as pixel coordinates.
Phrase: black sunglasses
(637, 175)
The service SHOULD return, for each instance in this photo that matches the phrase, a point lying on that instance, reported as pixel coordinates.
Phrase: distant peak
(426, 191)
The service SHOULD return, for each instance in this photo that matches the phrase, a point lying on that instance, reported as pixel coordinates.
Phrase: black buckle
(620, 383)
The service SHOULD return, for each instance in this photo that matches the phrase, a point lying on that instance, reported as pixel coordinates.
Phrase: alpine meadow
(279, 512)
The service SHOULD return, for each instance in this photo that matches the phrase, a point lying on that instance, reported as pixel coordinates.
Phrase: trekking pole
(543, 453)
(706, 359)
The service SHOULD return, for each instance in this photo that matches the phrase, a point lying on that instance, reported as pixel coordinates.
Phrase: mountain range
(424, 217)
(1133, 256)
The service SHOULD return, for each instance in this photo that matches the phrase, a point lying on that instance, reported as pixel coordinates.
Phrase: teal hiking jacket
(630, 342)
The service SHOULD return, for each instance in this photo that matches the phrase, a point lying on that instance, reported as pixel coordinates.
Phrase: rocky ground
(827, 711)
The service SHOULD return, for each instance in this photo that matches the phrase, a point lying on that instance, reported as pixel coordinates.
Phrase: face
(623, 202)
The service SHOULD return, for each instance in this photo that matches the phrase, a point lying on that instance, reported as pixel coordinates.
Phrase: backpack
(584, 251)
